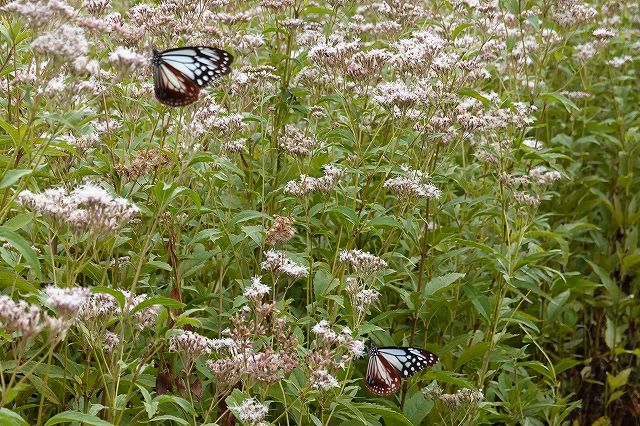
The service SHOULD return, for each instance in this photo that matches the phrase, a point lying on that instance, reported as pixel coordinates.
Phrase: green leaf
(390, 416)
(606, 280)
(619, 380)
(11, 131)
(12, 176)
(43, 389)
(10, 418)
(417, 407)
(556, 304)
(23, 247)
(323, 282)
(247, 215)
(175, 419)
(19, 221)
(76, 417)
(555, 97)
(345, 212)
(472, 352)
(439, 283)
(9, 279)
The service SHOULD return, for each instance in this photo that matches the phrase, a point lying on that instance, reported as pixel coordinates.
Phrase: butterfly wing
(407, 361)
(172, 87)
(382, 378)
(180, 73)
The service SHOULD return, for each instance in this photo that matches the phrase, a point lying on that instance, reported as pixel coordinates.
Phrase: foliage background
(524, 284)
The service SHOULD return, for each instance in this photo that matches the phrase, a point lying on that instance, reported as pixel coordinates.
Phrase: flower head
(86, 207)
(362, 261)
(251, 411)
(256, 290)
(67, 301)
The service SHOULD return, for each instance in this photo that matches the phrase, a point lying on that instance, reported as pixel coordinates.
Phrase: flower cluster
(296, 142)
(277, 262)
(190, 345)
(144, 161)
(308, 184)
(256, 290)
(543, 176)
(362, 262)
(67, 302)
(275, 359)
(361, 296)
(412, 183)
(251, 411)
(100, 307)
(86, 207)
(67, 42)
(281, 231)
(128, 59)
(22, 317)
(328, 354)
(463, 399)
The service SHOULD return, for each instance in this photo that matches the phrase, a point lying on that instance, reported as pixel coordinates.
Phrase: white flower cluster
(86, 207)
(68, 42)
(127, 58)
(251, 411)
(296, 142)
(412, 184)
(99, 307)
(190, 344)
(307, 184)
(67, 301)
(256, 290)
(362, 261)
(276, 261)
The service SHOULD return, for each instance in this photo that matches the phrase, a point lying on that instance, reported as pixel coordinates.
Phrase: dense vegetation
(455, 175)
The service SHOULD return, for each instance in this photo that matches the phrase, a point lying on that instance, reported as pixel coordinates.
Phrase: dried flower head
(281, 231)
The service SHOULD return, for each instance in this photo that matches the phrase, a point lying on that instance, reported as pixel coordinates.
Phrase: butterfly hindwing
(382, 379)
(180, 73)
(388, 365)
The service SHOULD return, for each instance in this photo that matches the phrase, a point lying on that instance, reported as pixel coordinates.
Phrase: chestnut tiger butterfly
(389, 364)
(179, 74)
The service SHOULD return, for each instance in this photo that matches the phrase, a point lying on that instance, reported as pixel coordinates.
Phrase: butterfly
(389, 364)
(179, 74)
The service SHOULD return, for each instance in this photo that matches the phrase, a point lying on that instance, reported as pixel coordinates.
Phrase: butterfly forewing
(408, 361)
(180, 73)
(387, 365)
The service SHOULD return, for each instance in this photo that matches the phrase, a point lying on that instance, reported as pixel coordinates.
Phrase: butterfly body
(179, 74)
(388, 365)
